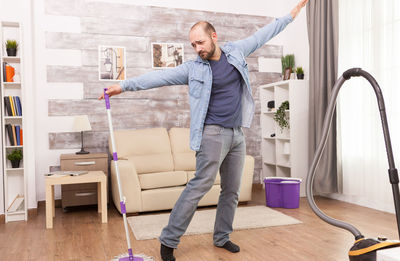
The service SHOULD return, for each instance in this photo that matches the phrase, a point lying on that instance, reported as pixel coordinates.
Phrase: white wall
(45, 91)
(294, 39)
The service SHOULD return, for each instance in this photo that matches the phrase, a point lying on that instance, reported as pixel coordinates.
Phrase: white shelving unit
(285, 154)
(14, 179)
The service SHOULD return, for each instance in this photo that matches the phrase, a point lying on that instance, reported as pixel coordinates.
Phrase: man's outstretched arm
(158, 78)
(257, 40)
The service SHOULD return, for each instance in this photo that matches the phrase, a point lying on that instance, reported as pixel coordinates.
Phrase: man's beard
(208, 55)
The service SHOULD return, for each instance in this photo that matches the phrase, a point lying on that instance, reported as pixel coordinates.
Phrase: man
(220, 104)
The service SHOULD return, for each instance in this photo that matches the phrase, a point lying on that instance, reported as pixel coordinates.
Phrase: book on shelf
(14, 133)
(4, 72)
(10, 72)
(7, 105)
(13, 105)
(16, 204)
(17, 128)
(10, 134)
(21, 137)
(19, 105)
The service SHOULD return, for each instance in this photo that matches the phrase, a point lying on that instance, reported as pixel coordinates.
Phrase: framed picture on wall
(112, 63)
(166, 55)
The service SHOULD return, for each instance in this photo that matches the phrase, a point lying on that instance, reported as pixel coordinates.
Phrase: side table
(82, 194)
(91, 177)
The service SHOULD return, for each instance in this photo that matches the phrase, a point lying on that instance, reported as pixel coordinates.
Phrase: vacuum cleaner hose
(354, 72)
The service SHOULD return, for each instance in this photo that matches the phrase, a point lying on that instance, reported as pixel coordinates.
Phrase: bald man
(221, 103)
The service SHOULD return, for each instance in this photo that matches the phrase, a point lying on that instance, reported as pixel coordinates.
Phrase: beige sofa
(156, 164)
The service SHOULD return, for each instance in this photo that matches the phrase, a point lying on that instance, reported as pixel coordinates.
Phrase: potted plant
(15, 157)
(287, 64)
(11, 46)
(281, 117)
(300, 73)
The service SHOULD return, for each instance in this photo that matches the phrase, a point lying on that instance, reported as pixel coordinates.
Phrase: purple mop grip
(107, 99)
(131, 257)
(123, 207)
(115, 157)
(130, 252)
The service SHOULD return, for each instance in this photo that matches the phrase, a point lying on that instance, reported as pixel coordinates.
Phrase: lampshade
(81, 123)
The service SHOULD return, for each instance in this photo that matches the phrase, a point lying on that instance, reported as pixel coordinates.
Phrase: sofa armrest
(247, 179)
(129, 184)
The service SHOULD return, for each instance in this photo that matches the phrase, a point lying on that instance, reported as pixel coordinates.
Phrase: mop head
(139, 257)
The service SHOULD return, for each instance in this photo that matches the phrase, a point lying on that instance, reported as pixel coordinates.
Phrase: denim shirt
(197, 74)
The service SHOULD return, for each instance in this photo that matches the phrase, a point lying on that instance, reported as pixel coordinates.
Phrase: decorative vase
(15, 164)
(11, 52)
(300, 76)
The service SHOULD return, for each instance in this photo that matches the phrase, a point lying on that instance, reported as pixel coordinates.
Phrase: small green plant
(15, 155)
(281, 117)
(299, 70)
(11, 44)
(287, 62)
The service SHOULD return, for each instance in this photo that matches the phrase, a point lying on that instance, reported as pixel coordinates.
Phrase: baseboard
(258, 186)
(362, 201)
(32, 212)
(57, 203)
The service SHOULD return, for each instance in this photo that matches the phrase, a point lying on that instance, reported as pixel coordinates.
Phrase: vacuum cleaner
(363, 249)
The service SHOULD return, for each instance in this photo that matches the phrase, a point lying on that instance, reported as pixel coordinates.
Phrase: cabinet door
(81, 194)
(79, 197)
(85, 164)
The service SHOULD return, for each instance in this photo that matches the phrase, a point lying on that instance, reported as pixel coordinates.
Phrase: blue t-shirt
(225, 106)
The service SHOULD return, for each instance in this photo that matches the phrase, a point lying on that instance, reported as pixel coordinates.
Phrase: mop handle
(115, 158)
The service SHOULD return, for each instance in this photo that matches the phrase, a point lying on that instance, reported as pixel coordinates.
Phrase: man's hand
(298, 7)
(112, 90)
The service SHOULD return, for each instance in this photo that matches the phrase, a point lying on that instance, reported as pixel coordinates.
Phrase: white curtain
(369, 37)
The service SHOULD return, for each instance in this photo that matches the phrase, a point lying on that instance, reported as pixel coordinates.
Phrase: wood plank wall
(135, 27)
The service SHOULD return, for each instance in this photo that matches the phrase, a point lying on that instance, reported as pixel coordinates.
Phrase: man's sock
(167, 253)
(231, 247)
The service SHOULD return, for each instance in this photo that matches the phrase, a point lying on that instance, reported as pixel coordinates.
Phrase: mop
(127, 256)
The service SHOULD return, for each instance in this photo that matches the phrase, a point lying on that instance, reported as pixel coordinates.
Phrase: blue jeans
(221, 148)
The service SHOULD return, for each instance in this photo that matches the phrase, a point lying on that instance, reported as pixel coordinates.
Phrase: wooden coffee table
(91, 177)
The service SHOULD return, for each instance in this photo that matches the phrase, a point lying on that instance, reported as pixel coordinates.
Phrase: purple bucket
(282, 192)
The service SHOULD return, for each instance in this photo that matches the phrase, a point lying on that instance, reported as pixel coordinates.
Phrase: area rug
(150, 226)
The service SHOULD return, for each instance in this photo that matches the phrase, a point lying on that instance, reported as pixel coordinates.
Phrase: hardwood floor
(79, 235)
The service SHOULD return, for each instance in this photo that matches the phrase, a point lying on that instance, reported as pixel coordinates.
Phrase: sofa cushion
(184, 157)
(160, 199)
(149, 149)
(190, 175)
(162, 179)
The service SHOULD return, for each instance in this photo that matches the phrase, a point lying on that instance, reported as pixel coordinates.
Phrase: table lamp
(81, 123)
